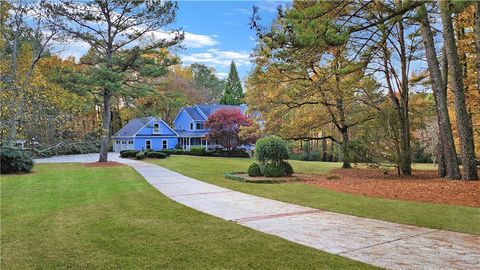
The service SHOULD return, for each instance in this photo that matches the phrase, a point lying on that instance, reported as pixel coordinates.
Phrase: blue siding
(164, 130)
(182, 122)
(156, 142)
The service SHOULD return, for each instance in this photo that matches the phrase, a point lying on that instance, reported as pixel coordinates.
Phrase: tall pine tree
(233, 92)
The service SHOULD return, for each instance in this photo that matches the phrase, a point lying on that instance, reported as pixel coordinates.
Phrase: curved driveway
(385, 244)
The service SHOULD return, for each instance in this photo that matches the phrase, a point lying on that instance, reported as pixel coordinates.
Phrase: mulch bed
(422, 186)
(104, 164)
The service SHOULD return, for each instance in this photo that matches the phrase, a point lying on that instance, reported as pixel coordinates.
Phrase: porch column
(189, 143)
(206, 144)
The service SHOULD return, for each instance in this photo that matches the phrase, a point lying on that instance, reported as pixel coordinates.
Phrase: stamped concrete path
(385, 244)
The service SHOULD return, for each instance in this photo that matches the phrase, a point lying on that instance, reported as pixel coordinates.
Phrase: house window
(165, 144)
(156, 128)
(148, 144)
(130, 142)
(124, 142)
(117, 142)
(199, 126)
(191, 126)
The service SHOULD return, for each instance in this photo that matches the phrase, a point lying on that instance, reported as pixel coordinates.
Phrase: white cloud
(222, 75)
(198, 41)
(69, 47)
(218, 58)
(77, 48)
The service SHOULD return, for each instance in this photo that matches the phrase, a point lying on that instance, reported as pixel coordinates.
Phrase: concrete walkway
(380, 243)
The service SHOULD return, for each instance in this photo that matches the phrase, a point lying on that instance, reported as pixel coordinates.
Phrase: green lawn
(72, 216)
(209, 169)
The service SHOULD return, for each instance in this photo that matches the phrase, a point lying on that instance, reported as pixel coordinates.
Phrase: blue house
(153, 133)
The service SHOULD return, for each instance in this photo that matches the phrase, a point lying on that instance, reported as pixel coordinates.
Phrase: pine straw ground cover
(422, 186)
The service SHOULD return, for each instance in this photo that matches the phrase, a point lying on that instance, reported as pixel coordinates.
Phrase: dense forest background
(355, 81)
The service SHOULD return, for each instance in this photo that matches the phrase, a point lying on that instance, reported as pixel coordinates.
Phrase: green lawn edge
(79, 217)
(436, 216)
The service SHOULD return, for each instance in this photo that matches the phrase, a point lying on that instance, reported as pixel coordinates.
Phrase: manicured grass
(208, 169)
(77, 217)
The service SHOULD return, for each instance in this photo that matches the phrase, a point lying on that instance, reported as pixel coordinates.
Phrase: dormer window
(191, 126)
(199, 126)
(156, 128)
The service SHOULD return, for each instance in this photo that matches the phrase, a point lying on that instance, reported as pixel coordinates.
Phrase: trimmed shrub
(272, 170)
(287, 168)
(271, 149)
(140, 155)
(156, 154)
(129, 153)
(254, 170)
(197, 150)
(15, 161)
(229, 153)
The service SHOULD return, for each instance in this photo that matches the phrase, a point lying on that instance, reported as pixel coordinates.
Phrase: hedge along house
(153, 133)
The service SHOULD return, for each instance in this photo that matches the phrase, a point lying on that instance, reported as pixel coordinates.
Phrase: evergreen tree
(233, 92)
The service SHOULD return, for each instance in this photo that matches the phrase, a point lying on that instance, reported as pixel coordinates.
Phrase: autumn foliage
(225, 125)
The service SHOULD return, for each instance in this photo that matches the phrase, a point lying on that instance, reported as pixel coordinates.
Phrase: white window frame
(165, 143)
(150, 142)
(156, 130)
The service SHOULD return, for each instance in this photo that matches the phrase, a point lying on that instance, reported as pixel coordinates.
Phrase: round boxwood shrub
(156, 155)
(15, 161)
(287, 168)
(140, 155)
(197, 150)
(272, 170)
(128, 153)
(254, 170)
(271, 149)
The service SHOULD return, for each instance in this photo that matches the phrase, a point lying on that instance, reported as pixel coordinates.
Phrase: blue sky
(216, 32)
(224, 32)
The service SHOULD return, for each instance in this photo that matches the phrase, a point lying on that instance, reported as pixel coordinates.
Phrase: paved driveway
(385, 244)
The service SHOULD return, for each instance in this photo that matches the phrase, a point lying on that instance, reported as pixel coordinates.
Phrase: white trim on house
(150, 141)
(201, 112)
(174, 132)
(183, 109)
(159, 130)
(134, 135)
(165, 141)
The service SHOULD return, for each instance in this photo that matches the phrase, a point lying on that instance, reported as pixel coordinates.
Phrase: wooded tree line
(386, 75)
(130, 70)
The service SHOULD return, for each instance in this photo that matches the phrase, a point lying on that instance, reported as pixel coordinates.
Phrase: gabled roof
(192, 133)
(133, 127)
(196, 116)
(208, 109)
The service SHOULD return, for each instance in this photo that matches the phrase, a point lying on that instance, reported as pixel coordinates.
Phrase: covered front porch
(188, 142)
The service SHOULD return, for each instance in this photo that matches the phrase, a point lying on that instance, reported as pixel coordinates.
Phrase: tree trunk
(442, 166)
(105, 140)
(464, 128)
(477, 42)
(346, 162)
(324, 148)
(447, 156)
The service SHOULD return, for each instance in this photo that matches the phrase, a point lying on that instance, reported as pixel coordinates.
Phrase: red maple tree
(224, 126)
